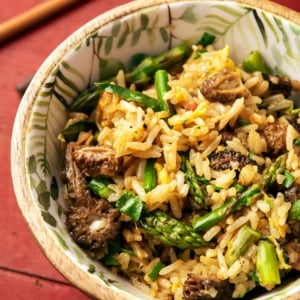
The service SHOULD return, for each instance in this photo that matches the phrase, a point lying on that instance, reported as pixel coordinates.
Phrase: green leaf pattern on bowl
(158, 28)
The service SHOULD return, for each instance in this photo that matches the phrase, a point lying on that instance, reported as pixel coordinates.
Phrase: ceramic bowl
(100, 47)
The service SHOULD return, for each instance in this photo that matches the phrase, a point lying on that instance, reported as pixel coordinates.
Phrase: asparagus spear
(232, 205)
(131, 95)
(197, 191)
(162, 87)
(267, 266)
(245, 237)
(149, 180)
(270, 174)
(142, 74)
(255, 62)
(170, 231)
(245, 199)
(294, 213)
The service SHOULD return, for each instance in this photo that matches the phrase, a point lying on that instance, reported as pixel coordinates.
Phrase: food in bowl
(120, 39)
(183, 173)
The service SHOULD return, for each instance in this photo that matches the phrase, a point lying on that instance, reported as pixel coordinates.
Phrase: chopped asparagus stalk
(255, 62)
(145, 70)
(170, 231)
(149, 180)
(143, 73)
(247, 197)
(213, 217)
(162, 87)
(80, 122)
(238, 246)
(267, 265)
(100, 187)
(154, 272)
(131, 95)
(207, 39)
(270, 174)
(197, 191)
(130, 205)
(294, 213)
(232, 205)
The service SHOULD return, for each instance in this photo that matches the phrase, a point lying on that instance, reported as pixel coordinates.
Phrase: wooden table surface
(25, 273)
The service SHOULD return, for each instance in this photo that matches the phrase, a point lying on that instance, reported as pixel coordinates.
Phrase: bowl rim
(57, 257)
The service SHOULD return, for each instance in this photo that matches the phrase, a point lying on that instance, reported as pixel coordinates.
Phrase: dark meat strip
(94, 227)
(275, 136)
(293, 252)
(76, 182)
(96, 161)
(224, 160)
(225, 86)
(197, 288)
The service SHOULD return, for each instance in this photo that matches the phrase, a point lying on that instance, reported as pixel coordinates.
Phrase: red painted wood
(17, 286)
(19, 59)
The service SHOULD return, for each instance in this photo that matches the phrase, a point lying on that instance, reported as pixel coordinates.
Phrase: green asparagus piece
(130, 205)
(143, 73)
(255, 62)
(232, 205)
(131, 95)
(294, 213)
(154, 272)
(213, 217)
(238, 246)
(162, 87)
(197, 191)
(247, 197)
(170, 231)
(289, 179)
(86, 101)
(267, 265)
(100, 187)
(207, 39)
(149, 180)
(270, 174)
(74, 127)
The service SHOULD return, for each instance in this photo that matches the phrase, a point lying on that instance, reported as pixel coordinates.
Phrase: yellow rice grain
(138, 250)
(223, 271)
(235, 269)
(123, 258)
(211, 233)
(237, 223)
(172, 267)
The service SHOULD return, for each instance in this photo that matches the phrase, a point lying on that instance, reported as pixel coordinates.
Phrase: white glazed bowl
(102, 45)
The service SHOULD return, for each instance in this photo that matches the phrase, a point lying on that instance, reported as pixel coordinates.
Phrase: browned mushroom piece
(96, 161)
(75, 181)
(92, 223)
(229, 159)
(94, 226)
(275, 136)
(292, 250)
(279, 85)
(224, 86)
(197, 287)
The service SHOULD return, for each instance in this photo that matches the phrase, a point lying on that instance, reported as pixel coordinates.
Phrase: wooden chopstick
(33, 16)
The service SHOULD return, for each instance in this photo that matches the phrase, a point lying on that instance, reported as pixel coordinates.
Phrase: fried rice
(220, 111)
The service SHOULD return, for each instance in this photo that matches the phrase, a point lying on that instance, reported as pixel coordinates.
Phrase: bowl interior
(97, 51)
